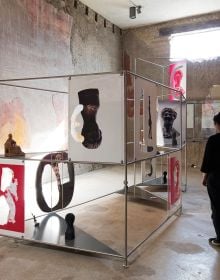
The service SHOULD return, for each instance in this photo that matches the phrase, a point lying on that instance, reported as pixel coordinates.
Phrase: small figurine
(11, 148)
(70, 231)
(36, 224)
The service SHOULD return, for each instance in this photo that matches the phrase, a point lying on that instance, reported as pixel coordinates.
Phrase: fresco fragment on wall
(36, 120)
(36, 39)
(36, 43)
(41, 40)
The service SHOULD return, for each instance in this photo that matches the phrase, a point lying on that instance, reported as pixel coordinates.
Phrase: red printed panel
(174, 180)
(177, 74)
(12, 197)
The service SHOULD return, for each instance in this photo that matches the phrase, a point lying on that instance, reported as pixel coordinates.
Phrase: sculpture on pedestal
(11, 148)
(70, 231)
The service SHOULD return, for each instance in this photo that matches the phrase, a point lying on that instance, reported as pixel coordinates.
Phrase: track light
(133, 10)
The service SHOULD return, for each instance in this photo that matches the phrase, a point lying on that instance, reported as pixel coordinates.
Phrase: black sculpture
(174, 141)
(89, 98)
(151, 168)
(169, 115)
(70, 231)
(164, 177)
(149, 148)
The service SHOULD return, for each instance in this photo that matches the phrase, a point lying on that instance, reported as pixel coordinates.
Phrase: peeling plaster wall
(34, 40)
(41, 38)
(94, 48)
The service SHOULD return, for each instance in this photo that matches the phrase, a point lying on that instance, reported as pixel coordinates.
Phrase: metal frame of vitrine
(125, 164)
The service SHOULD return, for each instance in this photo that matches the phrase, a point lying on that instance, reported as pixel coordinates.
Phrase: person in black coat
(211, 169)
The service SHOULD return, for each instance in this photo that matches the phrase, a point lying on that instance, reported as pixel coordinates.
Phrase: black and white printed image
(96, 118)
(169, 124)
(145, 118)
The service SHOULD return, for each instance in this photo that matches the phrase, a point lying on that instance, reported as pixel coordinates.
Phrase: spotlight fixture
(133, 10)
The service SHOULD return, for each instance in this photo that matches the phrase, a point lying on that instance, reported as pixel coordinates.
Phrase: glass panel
(93, 199)
(149, 200)
(170, 122)
(130, 116)
(58, 195)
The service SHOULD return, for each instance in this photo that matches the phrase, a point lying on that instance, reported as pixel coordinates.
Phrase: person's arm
(204, 181)
(207, 161)
(207, 158)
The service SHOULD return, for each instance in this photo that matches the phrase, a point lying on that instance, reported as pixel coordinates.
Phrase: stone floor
(181, 251)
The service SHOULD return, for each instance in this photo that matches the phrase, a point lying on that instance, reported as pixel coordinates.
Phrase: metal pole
(186, 168)
(134, 134)
(34, 88)
(54, 77)
(135, 70)
(147, 61)
(125, 177)
(154, 82)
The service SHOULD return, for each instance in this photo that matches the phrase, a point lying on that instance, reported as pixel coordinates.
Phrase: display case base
(51, 231)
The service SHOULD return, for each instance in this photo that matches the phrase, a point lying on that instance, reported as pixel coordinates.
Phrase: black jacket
(211, 159)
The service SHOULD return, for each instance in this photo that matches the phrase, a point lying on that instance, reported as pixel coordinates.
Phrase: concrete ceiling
(153, 11)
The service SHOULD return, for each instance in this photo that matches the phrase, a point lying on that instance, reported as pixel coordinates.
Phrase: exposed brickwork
(94, 47)
(146, 42)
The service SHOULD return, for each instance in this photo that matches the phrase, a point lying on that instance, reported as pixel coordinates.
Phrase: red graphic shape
(16, 198)
(174, 180)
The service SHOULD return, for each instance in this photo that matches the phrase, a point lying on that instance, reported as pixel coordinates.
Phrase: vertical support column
(125, 175)
(181, 120)
(134, 127)
(185, 159)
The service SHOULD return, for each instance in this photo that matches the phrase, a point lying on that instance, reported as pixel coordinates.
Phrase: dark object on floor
(164, 177)
(150, 148)
(214, 241)
(70, 231)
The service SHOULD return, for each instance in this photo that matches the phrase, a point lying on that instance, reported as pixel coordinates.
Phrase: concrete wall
(147, 43)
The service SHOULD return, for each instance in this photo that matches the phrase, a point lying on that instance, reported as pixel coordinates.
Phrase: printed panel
(11, 197)
(170, 122)
(50, 179)
(96, 129)
(174, 178)
(177, 74)
(145, 118)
